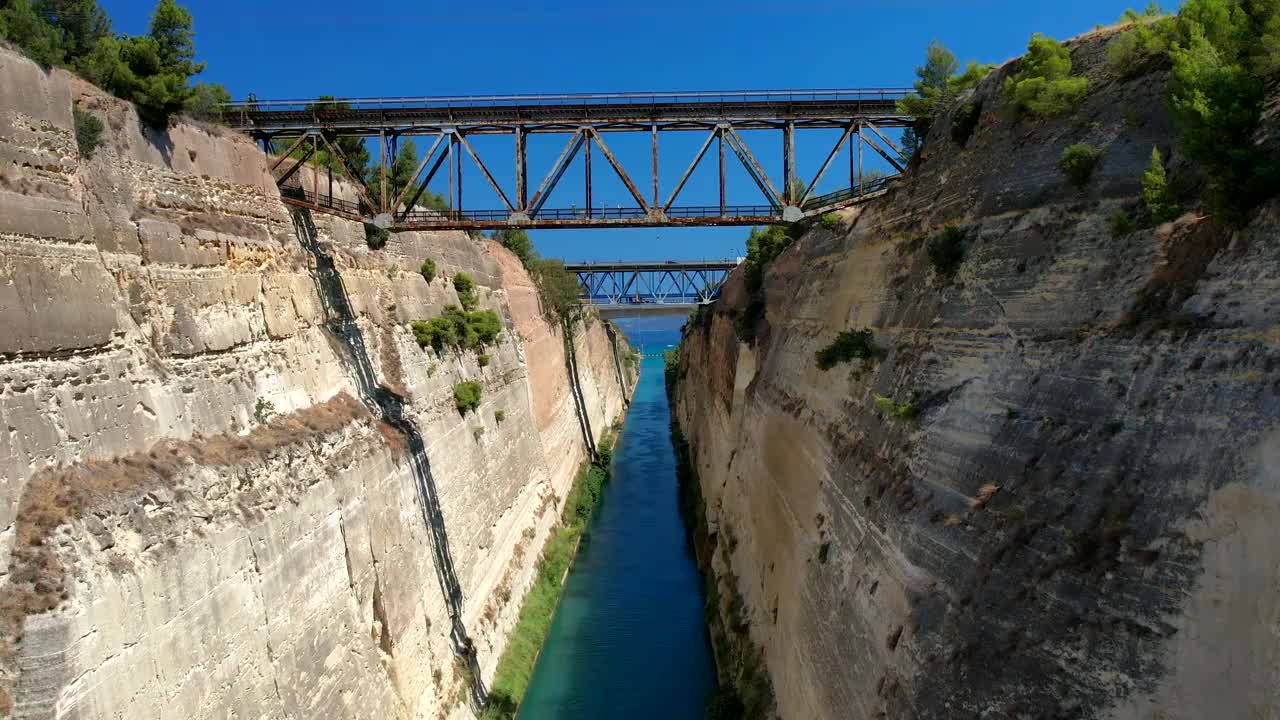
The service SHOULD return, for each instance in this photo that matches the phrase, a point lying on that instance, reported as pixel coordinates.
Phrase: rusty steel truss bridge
(644, 285)
(306, 128)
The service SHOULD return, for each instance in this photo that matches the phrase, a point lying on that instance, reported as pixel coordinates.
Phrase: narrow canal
(628, 640)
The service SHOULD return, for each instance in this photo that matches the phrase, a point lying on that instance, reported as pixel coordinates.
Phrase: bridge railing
(848, 193)
(710, 97)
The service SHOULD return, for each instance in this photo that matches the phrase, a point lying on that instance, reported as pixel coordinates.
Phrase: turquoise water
(628, 640)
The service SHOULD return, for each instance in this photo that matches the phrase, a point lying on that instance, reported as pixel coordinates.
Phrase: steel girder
(860, 114)
(634, 284)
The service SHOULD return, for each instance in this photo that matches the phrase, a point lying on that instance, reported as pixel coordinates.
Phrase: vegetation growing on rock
(88, 131)
(1077, 162)
(1044, 85)
(458, 328)
(428, 269)
(153, 71)
(466, 395)
(466, 288)
(946, 251)
(848, 345)
(1155, 191)
(515, 667)
(938, 83)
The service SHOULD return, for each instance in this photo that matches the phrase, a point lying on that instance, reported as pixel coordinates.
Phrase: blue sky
(398, 47)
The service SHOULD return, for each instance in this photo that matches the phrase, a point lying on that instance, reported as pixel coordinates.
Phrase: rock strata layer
(1056, 493)
(231, 482)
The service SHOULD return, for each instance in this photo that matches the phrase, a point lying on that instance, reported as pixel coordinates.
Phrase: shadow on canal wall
(389, 406)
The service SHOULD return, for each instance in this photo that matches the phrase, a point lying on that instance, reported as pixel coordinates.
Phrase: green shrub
(483, 360)
(831, 220)
(1078, 162)
(375, 237)
(946, 251)
(896, 410)
(1044, 85)
(558, 289)
(466, 395)
(1131, 52)
(848, 345)
(517, 241)
(263, 410)
(88, 132)
(1224, 55)
(466, 288)
(437, 332)
(1155, 191)
(938, 83)
(1122, 224)
(499, 416)
(428, 269)
(964, 122)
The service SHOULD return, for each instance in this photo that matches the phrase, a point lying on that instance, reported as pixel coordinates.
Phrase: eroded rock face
(203, 513)
(1080, 522)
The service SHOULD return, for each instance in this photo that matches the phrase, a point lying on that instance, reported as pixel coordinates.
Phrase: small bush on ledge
(848, 345)
(896, 410)
(946, 251)
(428, 269)
(466, 288)
(459, 329)
(375, 237)
(467, 396)
(483, 360)
(88, 132)
(1078, 162)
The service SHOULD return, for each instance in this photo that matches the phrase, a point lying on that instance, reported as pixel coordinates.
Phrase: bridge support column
(789, 163)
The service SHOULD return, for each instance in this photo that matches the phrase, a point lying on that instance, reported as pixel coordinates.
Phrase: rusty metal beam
(413, 180)
(871, 126)
(586, 164)
(753, 167)
(346, 169)
(617, 168)
(422, 187)
(822, 171)
(557, 171)
(789, 161)
(654, 130)
(296, 166)
(522, 171)
(685, 177)
(485, 171)
(883, 154)
(720, 135)
(288, 152)
(382, 155)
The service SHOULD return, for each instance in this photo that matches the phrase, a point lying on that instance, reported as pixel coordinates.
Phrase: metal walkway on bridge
(308, 128)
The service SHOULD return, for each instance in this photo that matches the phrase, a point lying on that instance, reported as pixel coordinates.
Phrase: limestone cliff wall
(1082, 520)
(210, 500)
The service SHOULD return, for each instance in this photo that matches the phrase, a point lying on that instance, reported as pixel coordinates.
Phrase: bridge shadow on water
(341, 323)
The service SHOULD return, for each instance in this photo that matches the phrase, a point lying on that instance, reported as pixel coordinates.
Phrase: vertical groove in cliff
(575, 388)
(390, 407)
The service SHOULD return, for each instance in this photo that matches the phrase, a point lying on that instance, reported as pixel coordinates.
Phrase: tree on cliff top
(154, 71)
(938, 83)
